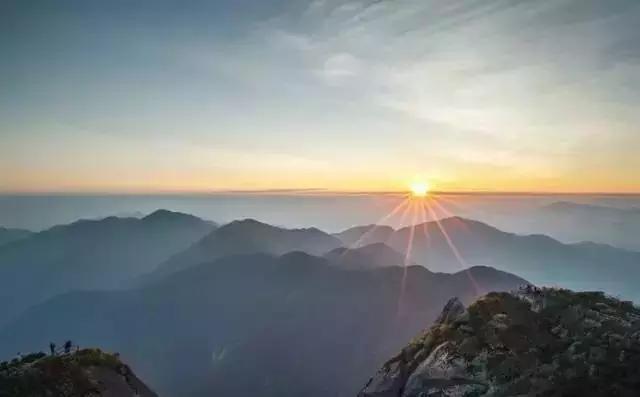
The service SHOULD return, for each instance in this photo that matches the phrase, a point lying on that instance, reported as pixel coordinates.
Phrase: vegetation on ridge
(66, 375)
(544, 342)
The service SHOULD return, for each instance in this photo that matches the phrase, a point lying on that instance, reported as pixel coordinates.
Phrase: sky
(161, 96)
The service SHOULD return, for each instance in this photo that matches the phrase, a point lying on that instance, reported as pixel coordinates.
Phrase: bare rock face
(389, 382)
(531, 342)
(443, 373)
(85, 373)
(452, 310)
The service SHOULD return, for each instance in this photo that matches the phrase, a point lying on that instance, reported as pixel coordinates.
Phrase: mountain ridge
(371, 255)
(529, 342)
(250, 309)
(10, 235)
(245, 237)
(536, 257)
(89, 254)
(86, 372)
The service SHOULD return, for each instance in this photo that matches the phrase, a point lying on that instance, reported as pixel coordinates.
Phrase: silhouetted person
(52, 347)
(67, 346)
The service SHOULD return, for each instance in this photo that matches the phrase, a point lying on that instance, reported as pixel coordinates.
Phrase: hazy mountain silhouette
(368, 256)
(258, 323)
(249, 236)
(372, 234)
(566, 206)
(249, 325)
(538, 258)
(90, 254)
(571, 222)
(575, 222)
(10, 235)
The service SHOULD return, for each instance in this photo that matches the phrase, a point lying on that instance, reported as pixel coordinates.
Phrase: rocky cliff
(542, 342)
(85, 373)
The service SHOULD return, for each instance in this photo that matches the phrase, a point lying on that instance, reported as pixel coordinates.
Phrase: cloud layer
(500, 95)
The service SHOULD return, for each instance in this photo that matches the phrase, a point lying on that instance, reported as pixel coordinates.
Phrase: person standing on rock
(52, 348)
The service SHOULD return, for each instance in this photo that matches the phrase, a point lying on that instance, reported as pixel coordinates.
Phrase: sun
(419, 189)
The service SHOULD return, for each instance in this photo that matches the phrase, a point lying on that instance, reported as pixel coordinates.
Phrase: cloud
(377, 87)
(525, 74)
(340, 67)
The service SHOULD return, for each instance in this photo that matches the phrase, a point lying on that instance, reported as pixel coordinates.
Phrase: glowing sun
(419, 189)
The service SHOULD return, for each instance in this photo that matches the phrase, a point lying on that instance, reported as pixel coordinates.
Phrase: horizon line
(311, 192)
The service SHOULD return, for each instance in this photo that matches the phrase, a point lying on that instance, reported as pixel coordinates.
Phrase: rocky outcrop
(452, 310)
(85, 373)
(543, 342)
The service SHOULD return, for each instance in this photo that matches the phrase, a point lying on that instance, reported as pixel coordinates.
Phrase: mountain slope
(535, 342)
(11, 235)
(372, 234)
(87, 372)
(250, 237)
(199, 332)
(368, 256)
(537, 258)
(90, 254)
(572, 222)
(586, 222)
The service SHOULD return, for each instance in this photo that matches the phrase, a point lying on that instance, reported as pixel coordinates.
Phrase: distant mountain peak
(106, 252)
(371, 226)
(452, 225)
(365, 235)
(247, 221)
(247, 225)
(370, 248)
(163, 215)
(249, 236)
(254, 224)
(368, 256)
(564, 204)
(458, 220)
(160, 213)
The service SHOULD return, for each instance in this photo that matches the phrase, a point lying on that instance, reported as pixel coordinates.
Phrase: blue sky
(343, 95)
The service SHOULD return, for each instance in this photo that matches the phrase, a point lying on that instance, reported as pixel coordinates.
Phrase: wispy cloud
(364, 89)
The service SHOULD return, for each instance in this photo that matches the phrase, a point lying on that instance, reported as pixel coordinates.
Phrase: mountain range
(296, 323)
(196, 307)
(577, 222)
(90, 254)
(455, 243)
(447, 245)
(368, 256)
(249, 236)
(572, 222)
